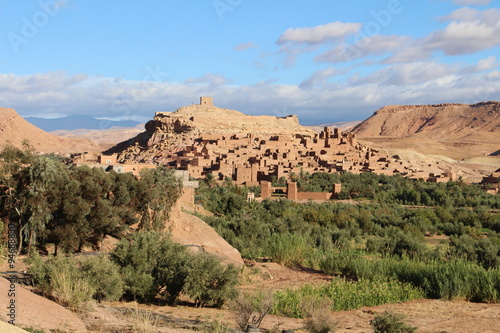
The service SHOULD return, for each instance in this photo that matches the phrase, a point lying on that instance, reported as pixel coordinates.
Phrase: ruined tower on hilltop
(206, 101)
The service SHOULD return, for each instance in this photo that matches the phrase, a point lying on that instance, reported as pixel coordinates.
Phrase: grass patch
(452, 280)
(346, 295)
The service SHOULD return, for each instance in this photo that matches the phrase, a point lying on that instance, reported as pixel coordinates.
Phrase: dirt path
(429, 316)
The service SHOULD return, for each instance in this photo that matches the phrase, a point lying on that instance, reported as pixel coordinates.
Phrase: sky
(323, 60)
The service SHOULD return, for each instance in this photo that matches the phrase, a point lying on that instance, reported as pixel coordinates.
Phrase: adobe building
(491, 183)
(292, 193)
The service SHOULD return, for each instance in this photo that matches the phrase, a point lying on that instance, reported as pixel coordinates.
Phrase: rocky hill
(205, 118)
(461, 129)
(15, 129)
(170, 132)
(442, 121)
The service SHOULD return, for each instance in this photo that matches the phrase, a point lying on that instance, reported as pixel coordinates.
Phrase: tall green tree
(160, 190)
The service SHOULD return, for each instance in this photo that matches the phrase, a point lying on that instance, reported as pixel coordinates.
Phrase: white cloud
(487, 64)
(245, 46)
(471, 2)
(409, 73)
(319, 34)
(469, 31)
(212, 79)
(368, 46)
(319, 77)
(413, 52)
(56, 93)
(483, 65)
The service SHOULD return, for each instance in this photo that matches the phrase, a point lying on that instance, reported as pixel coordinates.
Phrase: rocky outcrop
(170, 132)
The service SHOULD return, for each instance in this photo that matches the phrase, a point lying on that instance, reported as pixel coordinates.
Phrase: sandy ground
(428, 315)
(37, 311)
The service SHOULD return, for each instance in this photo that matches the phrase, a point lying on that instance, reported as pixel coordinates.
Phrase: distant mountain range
(343, 125)
(77, 122)
(15, 130)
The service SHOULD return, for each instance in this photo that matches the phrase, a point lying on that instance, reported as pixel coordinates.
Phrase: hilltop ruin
(203, 139)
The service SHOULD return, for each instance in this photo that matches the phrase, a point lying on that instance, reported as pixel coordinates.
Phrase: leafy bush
(61, 278)
(287, 249)
(151, 264)
(389, 322)
(454, 280)
(209, 282)
(73, 282)
(105, 276)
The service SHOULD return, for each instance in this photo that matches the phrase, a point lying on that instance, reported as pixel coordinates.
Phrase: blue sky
(325, 61)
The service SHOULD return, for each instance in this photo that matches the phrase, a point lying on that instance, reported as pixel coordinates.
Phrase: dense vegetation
(72, 207)
(379, 247)
(384, 238)
(395, 189)
(146, 266)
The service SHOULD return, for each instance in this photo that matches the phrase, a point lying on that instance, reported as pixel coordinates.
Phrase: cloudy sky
(324, 60)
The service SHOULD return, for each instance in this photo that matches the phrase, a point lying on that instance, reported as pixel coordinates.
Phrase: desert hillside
(458, 131)
(171, 132)
(440, 121)
(15, 129)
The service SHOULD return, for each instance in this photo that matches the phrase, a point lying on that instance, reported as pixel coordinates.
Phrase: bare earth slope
(461, 137)
(470, 129)
(14, 129)
(192, 231)
(37, 311)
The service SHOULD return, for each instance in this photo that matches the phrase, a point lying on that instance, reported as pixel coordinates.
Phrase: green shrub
(61, 278)
(389, 322)
(287, 249)
(453, 280)
(105, 276)
(209, 282)
(151, 264)
(346, 295)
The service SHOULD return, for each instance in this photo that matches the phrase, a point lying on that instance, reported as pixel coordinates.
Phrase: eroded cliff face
(466, 134)
(170, 132)
(199, 120)
(441, 121)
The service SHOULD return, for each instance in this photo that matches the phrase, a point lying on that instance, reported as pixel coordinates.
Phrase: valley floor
(428, 315)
